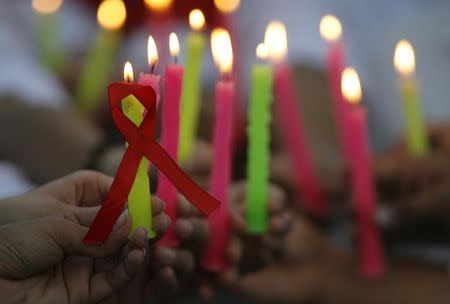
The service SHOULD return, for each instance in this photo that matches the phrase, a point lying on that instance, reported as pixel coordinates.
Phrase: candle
(49, 42)
(258, 144)
(363, 191)
(169, 135)
(291, 122)
(190, 96)
(331, 31)
(97, 68)
(151, 79)
(227, 6)
(139, 198)
(404, 61)
(214, 258)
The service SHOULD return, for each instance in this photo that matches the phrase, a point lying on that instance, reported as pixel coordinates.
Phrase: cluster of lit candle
(180, 114)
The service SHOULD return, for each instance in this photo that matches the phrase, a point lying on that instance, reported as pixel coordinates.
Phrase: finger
(158, 205)
(237, 193)
(185, 208)
(181, 260)
(277, 199)
(160, 223)
(280, 224)
(193, 231)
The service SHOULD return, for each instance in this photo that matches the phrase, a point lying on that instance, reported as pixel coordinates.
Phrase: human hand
(42, 254)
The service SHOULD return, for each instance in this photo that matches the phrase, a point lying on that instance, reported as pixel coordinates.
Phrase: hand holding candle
(404, 61)
(363, 191)
(169, 135)
(215, 254)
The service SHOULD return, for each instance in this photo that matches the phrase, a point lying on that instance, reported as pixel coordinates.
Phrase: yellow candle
(190, 95)
(416, 135)
(139, 198)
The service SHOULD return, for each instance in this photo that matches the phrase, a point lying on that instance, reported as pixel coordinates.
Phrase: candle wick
(152, 67)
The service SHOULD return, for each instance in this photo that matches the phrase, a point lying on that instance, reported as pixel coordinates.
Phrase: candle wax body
(139, 198)
(258, 150)
(291, 124)
(214, 258)
(151, 80)
(49, 42)
(169, 141)
(190, 96)
(364, 195)
(416, 133)
(335, 66)
(96, 71)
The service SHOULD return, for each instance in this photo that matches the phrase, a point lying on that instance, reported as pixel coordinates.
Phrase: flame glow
(262, 52)
(46, 6)
(152, 51)
(159, 6)
(404, 58)
(196, 19)
(222, 50)
(174, 45)
(227, 6)
(111, 14)
(351, 86)
(330, 28)
(275, 40)
(128, 74)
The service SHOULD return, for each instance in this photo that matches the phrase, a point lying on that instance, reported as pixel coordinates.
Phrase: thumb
(31, 247)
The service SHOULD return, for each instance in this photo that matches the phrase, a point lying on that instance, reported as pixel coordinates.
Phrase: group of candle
(180, 109)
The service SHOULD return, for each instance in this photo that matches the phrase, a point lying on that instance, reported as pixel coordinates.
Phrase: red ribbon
(140, 143)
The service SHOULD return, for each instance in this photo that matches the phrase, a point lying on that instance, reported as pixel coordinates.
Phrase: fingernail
(121, 220)
(185, 228)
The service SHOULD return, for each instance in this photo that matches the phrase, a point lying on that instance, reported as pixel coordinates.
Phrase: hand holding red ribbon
(140, 144)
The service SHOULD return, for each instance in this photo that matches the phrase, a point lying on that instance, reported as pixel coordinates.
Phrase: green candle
(258, 148)
(139, 198)
(416, 133)
(98, 65)
(48, 36)
(190, 95)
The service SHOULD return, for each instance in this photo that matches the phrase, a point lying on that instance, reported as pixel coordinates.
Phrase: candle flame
(261, 51)
(196, 19)
(222, 50)
(227, 6)
(152, 51)
(46, 6)
(275, 40)
(174, 45)
(128, 74)
(159, 6)
(351, 86)
(330, 28)
(111, 14)
(404, 58)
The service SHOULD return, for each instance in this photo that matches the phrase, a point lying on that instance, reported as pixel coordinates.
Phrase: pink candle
(151, 79)
(286, 106)
(363, 191)
(331, 30)
(169, 137)
(214, 258)
(290, 120)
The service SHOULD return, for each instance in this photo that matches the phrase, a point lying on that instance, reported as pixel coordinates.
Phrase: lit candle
(363, 191)
(214, 258)
(190, 97)
(48, 35)
(404, 61)
(111, 16)
(169, 135)
(331, 31)
(291, 121)
(139, 198)
(258, 144)
(151, 79)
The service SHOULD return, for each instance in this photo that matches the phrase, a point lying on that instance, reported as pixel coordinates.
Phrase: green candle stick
(416, 132)
(49, 42)
(139, 198)
(258, 151)
(190, 95)
(96, 71)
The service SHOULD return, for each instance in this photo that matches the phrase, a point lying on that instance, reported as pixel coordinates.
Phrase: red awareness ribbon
(141, 143)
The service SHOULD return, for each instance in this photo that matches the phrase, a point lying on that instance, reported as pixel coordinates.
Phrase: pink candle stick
(291, 123)
(363, 191)
(331, 30)
(214, 258)
(169, 137)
